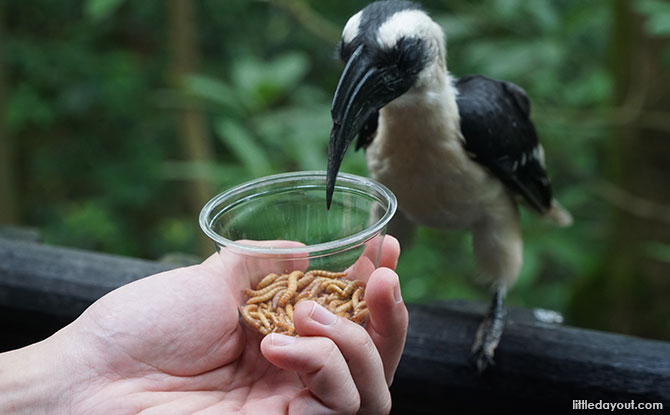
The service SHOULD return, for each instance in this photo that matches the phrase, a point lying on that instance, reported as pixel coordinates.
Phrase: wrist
(37, 379)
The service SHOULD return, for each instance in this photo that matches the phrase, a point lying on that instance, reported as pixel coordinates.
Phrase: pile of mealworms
(269, 308)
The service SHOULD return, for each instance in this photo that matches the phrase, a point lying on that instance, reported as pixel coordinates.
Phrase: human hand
(173, 343)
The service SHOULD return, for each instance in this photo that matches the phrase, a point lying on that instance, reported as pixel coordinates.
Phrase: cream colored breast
(418, 155)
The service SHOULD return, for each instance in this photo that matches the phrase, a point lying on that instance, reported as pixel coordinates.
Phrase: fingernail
(322, 316)
(281, 339)
(396, 293)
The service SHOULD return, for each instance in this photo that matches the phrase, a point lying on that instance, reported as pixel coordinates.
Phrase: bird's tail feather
(558, 215)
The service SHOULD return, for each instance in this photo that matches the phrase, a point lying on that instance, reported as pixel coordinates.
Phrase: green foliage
(100, 9)
(94, 123)
(658, 15)
(267, 116)
(657, 251)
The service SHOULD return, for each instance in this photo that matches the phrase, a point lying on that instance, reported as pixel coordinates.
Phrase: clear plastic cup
(280, 224)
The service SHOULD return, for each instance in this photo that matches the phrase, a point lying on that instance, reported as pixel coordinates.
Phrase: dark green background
(121, 118)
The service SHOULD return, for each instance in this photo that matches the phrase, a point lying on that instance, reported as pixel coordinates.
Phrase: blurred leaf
(513, 59)
(456, 26)
(657, 251)
(591, 89)
(101, 9)
(506, 9)
(243, 145)
(266, 82)
(288, 69)
(25, 106)
(214, 90)
(88, 224)
(200, 170)
(176, 233)
(544, 14)
(301, 132)
(658, 16)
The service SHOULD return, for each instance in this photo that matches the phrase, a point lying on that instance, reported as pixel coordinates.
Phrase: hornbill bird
(457, 152)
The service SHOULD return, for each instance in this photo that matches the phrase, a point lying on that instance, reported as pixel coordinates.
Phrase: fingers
(228, 263)
(244, 271)
(323, 369)
(388, 321)
(387, 256)
(347, 369)
(390, 252)
(358, 349)
(257, 267)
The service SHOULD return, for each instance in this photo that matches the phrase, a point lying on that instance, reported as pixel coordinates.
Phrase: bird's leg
(489, 332)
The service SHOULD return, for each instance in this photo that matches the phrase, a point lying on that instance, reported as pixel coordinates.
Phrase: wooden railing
(539, 364)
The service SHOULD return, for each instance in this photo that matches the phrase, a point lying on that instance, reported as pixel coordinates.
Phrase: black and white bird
(457, 153)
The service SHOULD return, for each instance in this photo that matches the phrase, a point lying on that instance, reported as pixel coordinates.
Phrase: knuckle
(385, 405)
(330, 351)
(359, 333)
(363, 342)
(353, 404)
(394, 328)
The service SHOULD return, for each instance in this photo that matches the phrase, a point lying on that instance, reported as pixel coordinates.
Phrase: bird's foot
(486, 342)
(488, 334)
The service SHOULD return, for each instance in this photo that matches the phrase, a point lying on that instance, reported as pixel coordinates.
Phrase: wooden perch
(538, 364)
(62, 281)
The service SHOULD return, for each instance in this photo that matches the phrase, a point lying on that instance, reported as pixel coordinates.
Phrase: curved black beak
(363, 89)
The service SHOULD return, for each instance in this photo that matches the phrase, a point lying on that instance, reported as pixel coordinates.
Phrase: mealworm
(264, 297)
(275, 299)
(327, 274)
(273, 317)
(292, 288)
(263, 318)
(270, 307)
(321, 301)
(359, 316)
(267, 280)
(247, 316)
(350, 288)
(305, 280)
(316, 290)
(305, 293)
(333, 304)
(361, 308)
(344, 307)
(340, 283)
(282, 277)
(302, 296)
(355, 297)
(287, 325)
(332, 288)
(263, 291)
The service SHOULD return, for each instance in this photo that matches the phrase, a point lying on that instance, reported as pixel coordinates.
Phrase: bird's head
(389, 48)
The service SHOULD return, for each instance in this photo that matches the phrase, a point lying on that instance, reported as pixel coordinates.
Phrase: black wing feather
(499, 134)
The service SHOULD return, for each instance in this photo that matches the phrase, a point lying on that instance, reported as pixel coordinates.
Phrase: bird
(458, 153)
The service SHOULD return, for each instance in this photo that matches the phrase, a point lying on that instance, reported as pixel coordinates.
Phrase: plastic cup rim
(336, 245)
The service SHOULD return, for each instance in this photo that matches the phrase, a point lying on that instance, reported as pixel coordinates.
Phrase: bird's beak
(363, 89)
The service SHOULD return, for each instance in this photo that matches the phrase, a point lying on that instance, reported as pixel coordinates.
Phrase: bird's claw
(488, 335)
(484, 347)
